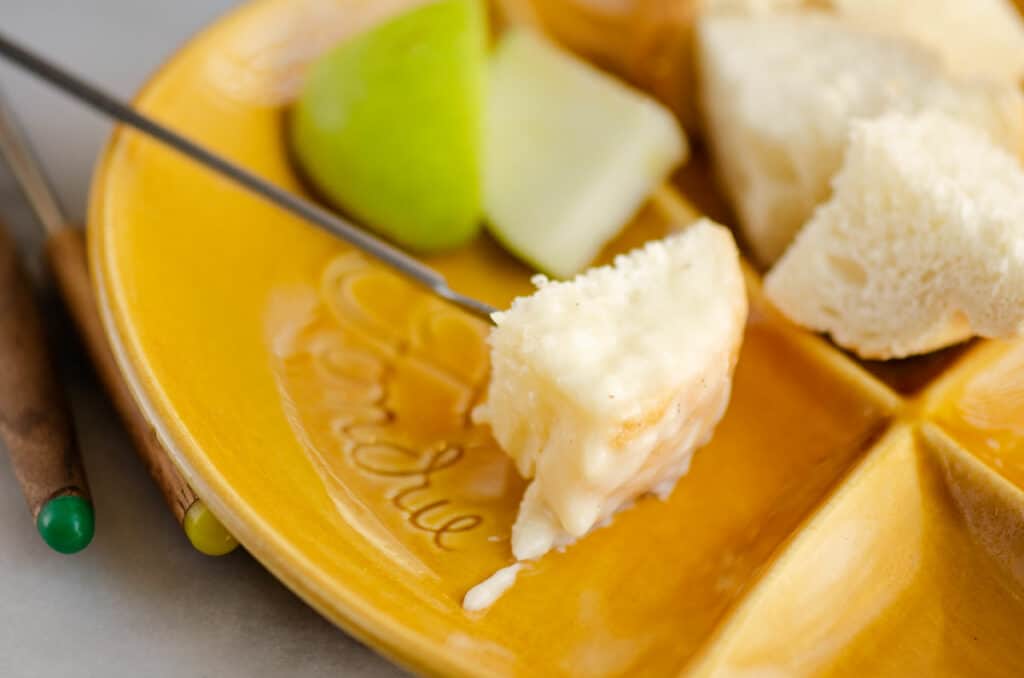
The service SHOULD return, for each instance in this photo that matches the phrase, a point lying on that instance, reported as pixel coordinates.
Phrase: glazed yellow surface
(318, 405)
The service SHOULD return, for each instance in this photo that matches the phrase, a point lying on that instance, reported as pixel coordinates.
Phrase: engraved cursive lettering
(390, 460)
(339, 365)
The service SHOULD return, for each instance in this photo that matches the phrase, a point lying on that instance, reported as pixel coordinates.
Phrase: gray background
(139, 601)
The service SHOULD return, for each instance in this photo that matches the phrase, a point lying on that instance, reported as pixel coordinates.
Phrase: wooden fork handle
(35, 422)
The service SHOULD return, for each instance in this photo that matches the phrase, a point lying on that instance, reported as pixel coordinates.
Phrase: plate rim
(350, 612)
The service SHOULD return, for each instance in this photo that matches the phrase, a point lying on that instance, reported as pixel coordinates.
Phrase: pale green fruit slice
(570, 153)
(389, 125)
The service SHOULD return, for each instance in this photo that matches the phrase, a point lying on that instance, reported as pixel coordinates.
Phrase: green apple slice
(570, 153)
(389, 125)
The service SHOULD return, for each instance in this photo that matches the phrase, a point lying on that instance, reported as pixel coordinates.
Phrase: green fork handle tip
(67, 523)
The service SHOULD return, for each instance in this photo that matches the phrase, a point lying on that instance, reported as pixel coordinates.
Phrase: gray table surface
(139, 601)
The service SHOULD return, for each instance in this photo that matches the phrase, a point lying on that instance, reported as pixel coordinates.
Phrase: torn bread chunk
(920, 247)
(977, 38)
(603, 387)
(778, 120)
(981, 39)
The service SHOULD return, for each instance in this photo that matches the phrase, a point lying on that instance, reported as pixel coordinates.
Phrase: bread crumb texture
(603, 387)
(778, 121)
(921, 245)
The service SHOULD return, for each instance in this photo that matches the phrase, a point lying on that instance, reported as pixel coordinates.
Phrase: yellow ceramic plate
(844, 520)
